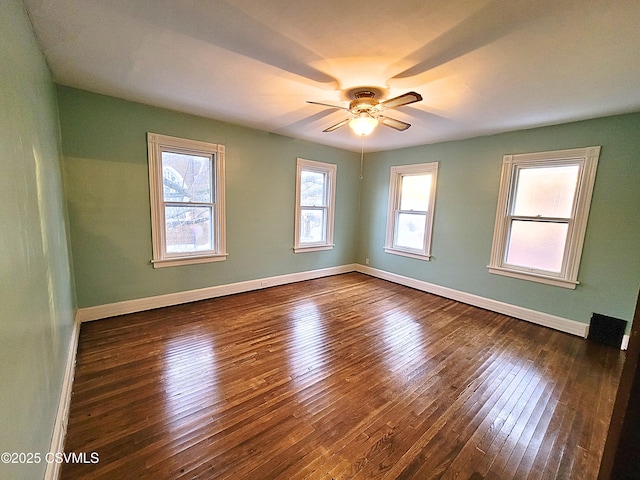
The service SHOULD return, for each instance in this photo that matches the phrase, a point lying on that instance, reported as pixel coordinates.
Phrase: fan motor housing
(364, 102)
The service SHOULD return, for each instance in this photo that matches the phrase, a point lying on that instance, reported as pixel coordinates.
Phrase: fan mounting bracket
(350, 94)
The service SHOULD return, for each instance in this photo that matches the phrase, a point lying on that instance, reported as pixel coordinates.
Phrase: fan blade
(406, 99)
(328, 105)
(393, 123)
(337, 125)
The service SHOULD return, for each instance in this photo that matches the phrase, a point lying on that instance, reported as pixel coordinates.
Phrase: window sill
(534, 277)
(403, 253)
(313, 248)
(192, 260)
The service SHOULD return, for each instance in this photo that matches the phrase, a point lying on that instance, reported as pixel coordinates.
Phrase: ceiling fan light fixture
(367, 112)
(363, 124)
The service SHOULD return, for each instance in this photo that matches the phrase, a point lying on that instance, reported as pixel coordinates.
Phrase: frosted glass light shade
(363, 124)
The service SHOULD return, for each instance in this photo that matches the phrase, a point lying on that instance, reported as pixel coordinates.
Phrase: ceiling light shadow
(492, 22)
(418, 113)
(305, 122)
(218, 23)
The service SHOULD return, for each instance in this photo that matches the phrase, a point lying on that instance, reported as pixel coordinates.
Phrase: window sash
(210, 159)
(323, 196)
(190, 231)
(510, 219)
(304, 228)
(394, 243)
(541, 220)
(167, 253)
(304, 240)
(556, 200)
(586, 160)
(164, 252)
(190, 203)
(405, 198)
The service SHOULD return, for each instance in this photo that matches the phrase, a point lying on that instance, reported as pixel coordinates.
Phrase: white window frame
(587, 160)
(156, 144)
(330, 172)
(395, 195)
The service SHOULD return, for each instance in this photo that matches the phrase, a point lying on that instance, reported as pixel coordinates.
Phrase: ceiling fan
(367, 112)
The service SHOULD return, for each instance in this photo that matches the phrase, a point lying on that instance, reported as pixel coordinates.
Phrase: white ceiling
(482, 66)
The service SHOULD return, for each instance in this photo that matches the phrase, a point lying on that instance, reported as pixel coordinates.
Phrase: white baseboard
(62, 415)
(625, 342)
(148, 303)
(533, 316)
(131, 306)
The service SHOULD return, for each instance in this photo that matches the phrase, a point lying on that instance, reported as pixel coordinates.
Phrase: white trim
(393, 209)
(397, 251)
(533, 316)
(140, 304)
(625, 342)
(52, 471)
(132, 306)
(313, 249)
(330, 171)
(587, 161)
(156, 144)
(558, 282)
(188, 260)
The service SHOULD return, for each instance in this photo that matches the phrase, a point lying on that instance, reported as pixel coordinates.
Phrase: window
(186, 180)
(412, 193)
(543, 206)
(315, 203)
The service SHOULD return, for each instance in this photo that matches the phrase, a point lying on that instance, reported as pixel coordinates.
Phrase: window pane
(538, 245)
(414, 192)
(188, 229)
(312, 188)
(186, 178)
(546, 191)
(410, 230)
(312, 225)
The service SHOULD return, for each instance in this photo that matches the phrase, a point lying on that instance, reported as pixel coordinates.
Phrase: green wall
(107, 202)
(466, 199)
(36, 296)
(106, 174)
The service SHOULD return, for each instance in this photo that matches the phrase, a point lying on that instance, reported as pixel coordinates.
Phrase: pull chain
(361, 157)
(361, 176)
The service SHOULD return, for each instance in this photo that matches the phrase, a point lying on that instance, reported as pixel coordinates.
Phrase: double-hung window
(186, 180)
(412, 191)
(315, 204)
(543, 207)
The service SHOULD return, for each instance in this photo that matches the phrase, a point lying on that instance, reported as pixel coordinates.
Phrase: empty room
(321, 240)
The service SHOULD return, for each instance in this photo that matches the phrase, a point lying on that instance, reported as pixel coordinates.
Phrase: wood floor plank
(343, 377)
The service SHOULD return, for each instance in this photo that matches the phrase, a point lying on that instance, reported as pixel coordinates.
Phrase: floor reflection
(189, 378)
(306, 359)
(403, 338)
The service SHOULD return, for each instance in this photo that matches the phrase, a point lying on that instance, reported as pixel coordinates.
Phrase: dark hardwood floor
(341, 377)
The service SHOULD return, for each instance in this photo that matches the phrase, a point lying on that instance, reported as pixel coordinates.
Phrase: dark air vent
(606, 330)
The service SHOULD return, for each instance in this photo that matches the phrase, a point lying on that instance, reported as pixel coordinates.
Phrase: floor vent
(607, 330)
